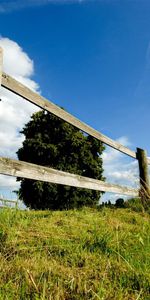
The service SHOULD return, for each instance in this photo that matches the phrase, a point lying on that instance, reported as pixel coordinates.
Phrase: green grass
(86, 254)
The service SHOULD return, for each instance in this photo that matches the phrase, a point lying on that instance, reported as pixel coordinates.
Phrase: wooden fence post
(1, 64)
(143, 173)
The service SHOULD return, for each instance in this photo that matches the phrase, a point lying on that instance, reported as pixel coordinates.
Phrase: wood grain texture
(1, 64)
(143, 173)
(11, 84)
(31, 171)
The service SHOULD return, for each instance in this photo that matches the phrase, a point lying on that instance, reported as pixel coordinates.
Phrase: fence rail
(19, 89)
(3, 203)
(8, 201)
(32, 171)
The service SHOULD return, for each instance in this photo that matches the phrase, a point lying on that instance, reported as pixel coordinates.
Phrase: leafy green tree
(120, 203)
(52, 142)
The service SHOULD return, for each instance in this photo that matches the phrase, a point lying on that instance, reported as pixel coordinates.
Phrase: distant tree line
(134, 204)
(119, 203)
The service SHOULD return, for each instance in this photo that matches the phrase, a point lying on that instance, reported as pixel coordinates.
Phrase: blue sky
(91, 57)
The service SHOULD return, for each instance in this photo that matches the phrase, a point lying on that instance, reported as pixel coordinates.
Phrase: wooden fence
(7, 203)
(32, 171)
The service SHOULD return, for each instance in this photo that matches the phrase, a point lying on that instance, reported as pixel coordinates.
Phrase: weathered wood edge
(9, 201)
(143, 174)
(31, 171)
(148, 160)
(14, 86)
(1, 64)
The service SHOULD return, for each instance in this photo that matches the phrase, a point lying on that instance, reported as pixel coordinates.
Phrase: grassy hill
(86, 254)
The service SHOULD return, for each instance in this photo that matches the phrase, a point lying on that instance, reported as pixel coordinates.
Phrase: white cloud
(17, 58)
(14, 111)
(119, 169)
(8, 182)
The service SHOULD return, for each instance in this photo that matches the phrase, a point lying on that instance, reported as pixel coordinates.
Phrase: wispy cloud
(119, 169)
(13, 5)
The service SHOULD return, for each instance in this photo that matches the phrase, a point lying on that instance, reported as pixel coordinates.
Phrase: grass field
(86, 254)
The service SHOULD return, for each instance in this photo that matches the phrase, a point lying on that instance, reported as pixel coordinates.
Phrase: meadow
(77, 254)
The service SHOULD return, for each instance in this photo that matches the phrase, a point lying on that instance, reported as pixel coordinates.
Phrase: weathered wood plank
(31, 171)
(11, 84)
(143, 174)
(148, 160)
(9, 201)
(1, 64)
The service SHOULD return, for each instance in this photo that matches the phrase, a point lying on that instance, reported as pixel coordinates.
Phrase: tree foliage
(52, 142)
(120, 203)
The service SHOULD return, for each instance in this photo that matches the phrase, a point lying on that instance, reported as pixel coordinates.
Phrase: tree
(120, 203)
(52, 142)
